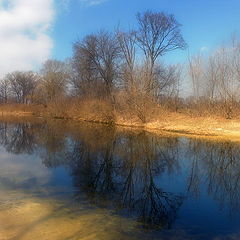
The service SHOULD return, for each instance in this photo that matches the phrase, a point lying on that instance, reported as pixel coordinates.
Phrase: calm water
(81, 181)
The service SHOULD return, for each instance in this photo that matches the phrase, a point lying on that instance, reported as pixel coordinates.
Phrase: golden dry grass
(178, 123)
(215, 128)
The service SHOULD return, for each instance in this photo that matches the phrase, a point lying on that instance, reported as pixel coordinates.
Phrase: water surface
(60, 180)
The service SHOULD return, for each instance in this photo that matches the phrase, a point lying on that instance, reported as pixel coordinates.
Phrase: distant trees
(55, 77)
(215, 79)
(122, 72)
(4, 90)
(20, 86)
(119, 69)
(31, 87)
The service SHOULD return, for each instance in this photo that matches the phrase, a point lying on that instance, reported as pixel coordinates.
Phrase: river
(61, 180)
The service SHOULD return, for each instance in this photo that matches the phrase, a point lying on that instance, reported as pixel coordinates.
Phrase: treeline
(119, 75)
(216, 80)
(40, 88)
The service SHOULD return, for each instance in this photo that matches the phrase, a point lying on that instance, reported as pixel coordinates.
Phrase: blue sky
(31, 31)
(206, 24)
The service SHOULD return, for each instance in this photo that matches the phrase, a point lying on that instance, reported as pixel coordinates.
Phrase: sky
(32, 31)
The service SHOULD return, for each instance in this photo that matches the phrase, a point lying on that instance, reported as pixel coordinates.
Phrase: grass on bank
(184, 121)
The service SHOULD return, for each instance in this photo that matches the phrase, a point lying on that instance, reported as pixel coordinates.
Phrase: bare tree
(196, 72)
(22, 85)
(236, 56)
(158, 33)
(127, 43)
(99, 53)
(55, 76)
(85, 75)
(4, 90)
(215, 80)
(168, 88)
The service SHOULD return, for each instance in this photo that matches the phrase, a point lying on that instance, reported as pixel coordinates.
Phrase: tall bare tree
(85, 75)
(157, 34)
(127, 43)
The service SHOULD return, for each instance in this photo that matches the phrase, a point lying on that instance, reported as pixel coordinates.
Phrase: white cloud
(24, 33)
(92, 2)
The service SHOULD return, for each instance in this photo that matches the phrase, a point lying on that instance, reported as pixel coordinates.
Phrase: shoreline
(171, 131)
(216, 129)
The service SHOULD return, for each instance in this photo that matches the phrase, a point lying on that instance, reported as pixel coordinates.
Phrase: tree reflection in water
(17, 138)
(218, 166)
(122, 171)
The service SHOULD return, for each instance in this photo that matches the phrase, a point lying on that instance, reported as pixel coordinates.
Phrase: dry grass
(161, 120)
(204, 127)
(19, 109)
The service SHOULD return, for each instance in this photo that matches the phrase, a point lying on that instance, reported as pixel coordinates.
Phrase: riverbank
(195, 127)
(215, 128)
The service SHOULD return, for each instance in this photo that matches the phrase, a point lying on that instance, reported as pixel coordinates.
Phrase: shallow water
(82, 181)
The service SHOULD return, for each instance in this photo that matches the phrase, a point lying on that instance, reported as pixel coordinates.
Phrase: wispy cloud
(24, 33)
(203, 49)
(92, 2)
(63, 4)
